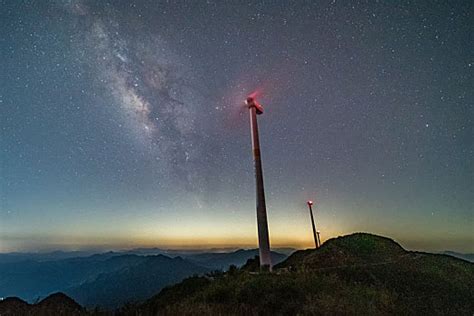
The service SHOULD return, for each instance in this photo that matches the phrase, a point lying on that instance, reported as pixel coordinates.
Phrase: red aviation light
(250, 102)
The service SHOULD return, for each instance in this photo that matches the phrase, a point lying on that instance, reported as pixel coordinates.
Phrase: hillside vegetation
(359, 274)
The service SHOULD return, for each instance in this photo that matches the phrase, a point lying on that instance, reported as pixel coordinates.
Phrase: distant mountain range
(59, 255)
(42, 256)
(134, 282)
(221, 261)
(106, 279)
(358, 274)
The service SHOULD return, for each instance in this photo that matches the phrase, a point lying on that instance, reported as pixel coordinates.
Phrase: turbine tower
(315, 233)
(262, 225)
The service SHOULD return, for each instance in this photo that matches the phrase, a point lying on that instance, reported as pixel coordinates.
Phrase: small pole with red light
(315, 233)
(262, 225)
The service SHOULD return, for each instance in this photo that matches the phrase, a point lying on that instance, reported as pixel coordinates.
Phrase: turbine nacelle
(250, 102)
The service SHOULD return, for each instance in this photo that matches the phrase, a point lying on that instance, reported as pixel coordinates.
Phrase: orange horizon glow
(101, 243)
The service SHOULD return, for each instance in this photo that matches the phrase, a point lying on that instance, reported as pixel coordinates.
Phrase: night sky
(123, 125)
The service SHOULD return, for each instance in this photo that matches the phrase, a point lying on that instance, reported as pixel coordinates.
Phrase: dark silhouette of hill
(359, 248)
(55, 304)
(359, 274)
(134, 283)
(14, 306)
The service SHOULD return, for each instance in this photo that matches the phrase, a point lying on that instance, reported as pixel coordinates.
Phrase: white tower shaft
(315, 233)
(262, 225)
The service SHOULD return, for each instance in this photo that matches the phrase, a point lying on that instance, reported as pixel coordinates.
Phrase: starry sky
(123, 125)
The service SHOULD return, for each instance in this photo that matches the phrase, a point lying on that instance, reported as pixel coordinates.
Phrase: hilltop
(355, 249)
(358, 274)
(55, 304)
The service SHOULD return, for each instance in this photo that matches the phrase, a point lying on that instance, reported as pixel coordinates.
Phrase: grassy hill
(359, 274)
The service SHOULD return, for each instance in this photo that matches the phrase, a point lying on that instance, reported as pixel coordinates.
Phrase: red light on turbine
(255, 94)
(250, 102)
(310, 202)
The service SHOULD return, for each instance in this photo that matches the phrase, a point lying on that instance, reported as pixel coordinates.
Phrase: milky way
(150, 87)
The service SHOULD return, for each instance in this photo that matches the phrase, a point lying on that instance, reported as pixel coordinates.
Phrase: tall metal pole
(262, 225)
(319, 238)
(316, 240)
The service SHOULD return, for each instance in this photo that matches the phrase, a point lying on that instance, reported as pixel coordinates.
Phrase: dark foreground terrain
(55, 304)
(359, 274)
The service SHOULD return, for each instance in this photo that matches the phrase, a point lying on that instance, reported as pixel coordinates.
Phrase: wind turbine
(315, 232)
(262, 225)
